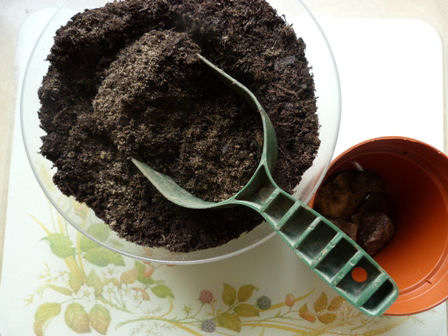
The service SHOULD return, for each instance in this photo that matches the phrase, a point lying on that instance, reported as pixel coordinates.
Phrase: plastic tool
(328, 251)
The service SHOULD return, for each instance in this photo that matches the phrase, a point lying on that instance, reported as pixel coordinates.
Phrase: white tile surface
(391, 75)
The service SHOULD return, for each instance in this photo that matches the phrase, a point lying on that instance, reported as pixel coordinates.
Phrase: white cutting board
(391, 76)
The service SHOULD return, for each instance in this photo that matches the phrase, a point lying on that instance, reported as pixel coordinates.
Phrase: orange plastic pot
(416, 178)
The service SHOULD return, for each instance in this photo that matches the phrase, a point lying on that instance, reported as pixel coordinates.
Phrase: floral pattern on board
(93, 283)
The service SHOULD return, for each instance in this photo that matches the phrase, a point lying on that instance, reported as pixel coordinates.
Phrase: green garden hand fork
(321, 245)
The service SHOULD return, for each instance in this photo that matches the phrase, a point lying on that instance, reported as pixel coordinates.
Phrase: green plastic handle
(320, 244)
(328, 251)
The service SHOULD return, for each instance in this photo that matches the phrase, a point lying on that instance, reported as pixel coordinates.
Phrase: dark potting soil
(158, 102)
(124, 81)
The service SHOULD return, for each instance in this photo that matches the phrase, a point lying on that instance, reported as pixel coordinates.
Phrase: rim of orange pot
(429, 166)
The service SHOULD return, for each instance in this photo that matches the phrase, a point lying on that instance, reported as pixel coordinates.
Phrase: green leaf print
(75, 282)
(98, 231)
(94, 281)
(246, 310)
(228, 294)
(99, 319)
(162, 291)
(102, 257)
(245, 292)
(87, 244)
(229, 321)
(77, 319)
(43, 314)
(60, 245)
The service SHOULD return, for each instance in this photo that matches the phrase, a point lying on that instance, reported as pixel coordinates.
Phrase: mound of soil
(125, 81)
